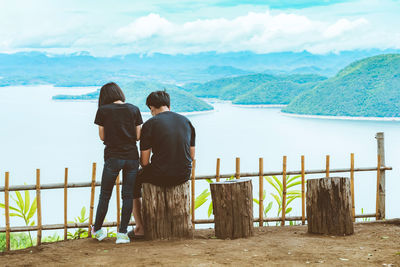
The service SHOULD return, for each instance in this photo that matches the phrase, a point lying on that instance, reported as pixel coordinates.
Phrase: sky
(107, 28)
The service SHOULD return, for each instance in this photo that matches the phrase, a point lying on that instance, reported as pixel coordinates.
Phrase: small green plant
(17, 241)
(364, 219)
(204, 196)
(23, 209)
(51, 238)
(81, 232)
(290, 194)
(109, 232)
(267, 208)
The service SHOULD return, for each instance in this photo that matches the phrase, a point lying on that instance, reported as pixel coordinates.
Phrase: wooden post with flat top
(380, 138)
(233, 208)
(166, 211)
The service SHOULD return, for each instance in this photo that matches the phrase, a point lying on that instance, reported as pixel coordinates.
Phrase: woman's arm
(138, 131)
(192, 152)
(101, 133)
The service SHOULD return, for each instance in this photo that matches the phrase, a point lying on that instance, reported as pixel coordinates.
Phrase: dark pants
(111, 169)
(146, 175)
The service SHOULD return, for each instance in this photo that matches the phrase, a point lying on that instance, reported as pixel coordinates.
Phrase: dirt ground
(373, 244)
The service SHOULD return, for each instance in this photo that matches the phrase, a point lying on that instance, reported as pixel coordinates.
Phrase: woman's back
(119, 122)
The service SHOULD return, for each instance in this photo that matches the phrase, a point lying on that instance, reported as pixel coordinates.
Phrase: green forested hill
(256, 88)
(368, 87)
(136, 93)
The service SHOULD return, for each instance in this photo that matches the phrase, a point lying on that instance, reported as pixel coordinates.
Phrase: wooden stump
(233, 208)
(329, 206)
(166, 212)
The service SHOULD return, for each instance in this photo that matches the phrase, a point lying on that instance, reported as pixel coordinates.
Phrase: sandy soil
(372, 244)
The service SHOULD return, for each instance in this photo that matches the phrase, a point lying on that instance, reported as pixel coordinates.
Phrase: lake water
(37, 132)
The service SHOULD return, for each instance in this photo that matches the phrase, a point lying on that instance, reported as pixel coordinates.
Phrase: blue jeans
(112, 167)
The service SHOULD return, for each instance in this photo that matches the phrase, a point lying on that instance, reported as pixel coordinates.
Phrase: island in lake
(136, 93)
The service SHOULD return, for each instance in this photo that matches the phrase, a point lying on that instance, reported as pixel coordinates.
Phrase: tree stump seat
(329, 206)
(233, 208)
(166, 212)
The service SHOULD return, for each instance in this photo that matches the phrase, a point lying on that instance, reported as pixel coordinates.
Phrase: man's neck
(160, 110)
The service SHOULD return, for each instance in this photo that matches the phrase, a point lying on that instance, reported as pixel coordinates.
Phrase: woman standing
(119, 127)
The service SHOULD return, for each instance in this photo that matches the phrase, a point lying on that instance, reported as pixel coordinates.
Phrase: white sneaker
(99, 235)
(122, 239)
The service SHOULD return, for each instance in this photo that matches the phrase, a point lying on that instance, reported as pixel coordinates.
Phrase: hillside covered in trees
(368, 87)
(256, 88)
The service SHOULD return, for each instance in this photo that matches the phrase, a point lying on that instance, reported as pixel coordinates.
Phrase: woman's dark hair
(110, 93)
(158, 99)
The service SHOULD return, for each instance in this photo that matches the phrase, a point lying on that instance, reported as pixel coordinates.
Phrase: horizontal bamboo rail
(114, 224)
(200, 177)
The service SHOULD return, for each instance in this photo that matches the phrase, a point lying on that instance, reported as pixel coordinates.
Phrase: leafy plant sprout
(23, 209)
(291, 194)
(80, 233)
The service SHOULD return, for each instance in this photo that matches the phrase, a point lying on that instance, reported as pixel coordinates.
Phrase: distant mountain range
(82, 69)
(368, 87)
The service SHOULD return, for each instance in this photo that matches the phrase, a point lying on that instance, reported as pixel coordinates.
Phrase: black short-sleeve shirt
(119, 122)
(170, 136)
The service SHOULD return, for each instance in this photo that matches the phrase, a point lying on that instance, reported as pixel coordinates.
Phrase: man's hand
(145, 157)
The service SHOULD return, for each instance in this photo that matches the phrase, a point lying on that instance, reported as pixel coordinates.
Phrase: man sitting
(171, 139)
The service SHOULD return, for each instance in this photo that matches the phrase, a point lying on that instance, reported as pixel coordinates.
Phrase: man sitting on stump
(171, 139)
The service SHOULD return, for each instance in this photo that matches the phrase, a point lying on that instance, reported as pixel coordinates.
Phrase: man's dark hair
(158, 99)
(110, 93)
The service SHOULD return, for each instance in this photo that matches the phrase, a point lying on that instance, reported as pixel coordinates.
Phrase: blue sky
(108, 28)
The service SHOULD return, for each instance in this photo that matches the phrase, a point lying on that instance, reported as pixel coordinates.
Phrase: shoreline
(186, 113)
(260, 106)
(349, 118)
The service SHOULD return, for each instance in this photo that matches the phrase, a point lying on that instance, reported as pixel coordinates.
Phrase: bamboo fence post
(327, 165)
(303, 195)
(65, 203)
(217, 176)
(237, 168)
(193, 192)
(39, 209)
(7, 209)
(352, 185)
(92, 198)
(118, 202)
(284, 191)
(378, 176)
(382, 181)
(261, 192)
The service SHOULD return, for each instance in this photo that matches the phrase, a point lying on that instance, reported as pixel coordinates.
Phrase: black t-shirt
(170, 137)
(119, 122)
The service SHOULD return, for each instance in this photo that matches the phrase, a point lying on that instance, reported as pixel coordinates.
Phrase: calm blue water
(40, 133)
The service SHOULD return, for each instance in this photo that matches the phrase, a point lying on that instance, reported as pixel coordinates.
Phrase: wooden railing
(380, 195)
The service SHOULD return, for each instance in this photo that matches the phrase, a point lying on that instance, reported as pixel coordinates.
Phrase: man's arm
(192, 152)
(145, 157)
(101, 133)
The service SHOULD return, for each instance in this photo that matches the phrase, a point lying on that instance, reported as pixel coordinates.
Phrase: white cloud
(259, 32)
(343, 25)
(108, 29)
(145, 27)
